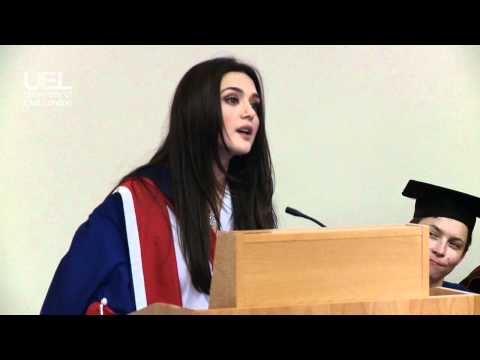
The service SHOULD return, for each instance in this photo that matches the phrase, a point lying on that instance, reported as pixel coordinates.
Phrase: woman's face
(448, 240)
(239, 100)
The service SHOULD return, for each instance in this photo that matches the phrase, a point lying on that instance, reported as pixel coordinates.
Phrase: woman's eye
(232, 100)
(455, 246)
(433, 235)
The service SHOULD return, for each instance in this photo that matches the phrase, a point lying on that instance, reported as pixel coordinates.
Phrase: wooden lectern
(361, 270)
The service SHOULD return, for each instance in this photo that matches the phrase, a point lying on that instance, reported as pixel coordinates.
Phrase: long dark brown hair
(190, 152)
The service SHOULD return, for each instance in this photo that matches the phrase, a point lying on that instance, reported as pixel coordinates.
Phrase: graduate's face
(239, 100)
(448, 238)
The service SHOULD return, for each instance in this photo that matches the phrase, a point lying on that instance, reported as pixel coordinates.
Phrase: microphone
(295, 212)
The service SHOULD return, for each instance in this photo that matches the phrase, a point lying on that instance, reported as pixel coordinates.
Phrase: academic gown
(127, 255)
(472, 281)
(454, 286)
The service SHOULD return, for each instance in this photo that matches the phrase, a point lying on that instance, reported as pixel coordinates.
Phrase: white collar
(226, 220)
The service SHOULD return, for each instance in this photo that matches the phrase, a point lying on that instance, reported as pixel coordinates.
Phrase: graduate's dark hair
(416, 220)
(190, 152)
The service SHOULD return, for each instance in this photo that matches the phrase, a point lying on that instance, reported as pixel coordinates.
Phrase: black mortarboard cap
(435, 201)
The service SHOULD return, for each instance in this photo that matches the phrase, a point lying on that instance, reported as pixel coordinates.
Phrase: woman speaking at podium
(153, 238)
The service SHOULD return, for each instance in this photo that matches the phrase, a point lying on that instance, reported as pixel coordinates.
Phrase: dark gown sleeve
(472, 281)
(454, 286)
(96, 265)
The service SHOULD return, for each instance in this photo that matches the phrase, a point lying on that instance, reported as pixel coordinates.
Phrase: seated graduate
(451, 216)
(153, 238)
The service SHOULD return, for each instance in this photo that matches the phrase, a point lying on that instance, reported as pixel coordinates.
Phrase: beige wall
(348, 126)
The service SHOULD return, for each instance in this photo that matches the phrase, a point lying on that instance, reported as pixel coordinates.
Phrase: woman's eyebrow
(254, 95)
(454, 238)
(233, 88)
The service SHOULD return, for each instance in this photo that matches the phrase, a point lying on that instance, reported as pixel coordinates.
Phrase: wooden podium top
(442, 301)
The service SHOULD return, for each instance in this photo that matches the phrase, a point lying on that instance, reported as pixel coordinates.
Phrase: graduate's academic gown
(128, 254)
(454, 286)
(472, 281)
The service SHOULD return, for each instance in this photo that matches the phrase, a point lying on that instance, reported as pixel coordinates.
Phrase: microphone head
(292, 211)
(295, 212)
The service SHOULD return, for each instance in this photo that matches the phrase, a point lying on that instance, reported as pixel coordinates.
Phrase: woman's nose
(248, 111)
(439, 247)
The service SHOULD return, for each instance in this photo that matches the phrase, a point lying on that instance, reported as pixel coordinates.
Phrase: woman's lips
(436, 263)
(245, 135)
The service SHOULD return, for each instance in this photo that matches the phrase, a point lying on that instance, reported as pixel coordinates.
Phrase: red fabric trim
(94, 309)
(156, 242)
